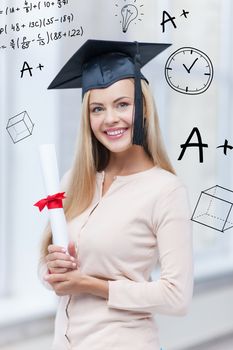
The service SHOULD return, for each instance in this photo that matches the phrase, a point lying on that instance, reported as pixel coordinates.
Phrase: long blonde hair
(92, 156)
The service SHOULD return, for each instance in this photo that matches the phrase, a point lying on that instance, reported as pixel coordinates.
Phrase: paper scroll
(54, 200)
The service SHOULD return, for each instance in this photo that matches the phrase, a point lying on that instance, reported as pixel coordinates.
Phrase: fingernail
(46, 277)
(74, 265)
(72, 258)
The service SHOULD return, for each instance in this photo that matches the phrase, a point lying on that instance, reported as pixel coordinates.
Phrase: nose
(111, 116)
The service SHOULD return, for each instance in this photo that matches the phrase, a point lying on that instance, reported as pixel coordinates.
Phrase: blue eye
(123, 104)
(96, 109)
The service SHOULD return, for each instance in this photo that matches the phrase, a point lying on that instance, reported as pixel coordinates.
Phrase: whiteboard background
(56, 114)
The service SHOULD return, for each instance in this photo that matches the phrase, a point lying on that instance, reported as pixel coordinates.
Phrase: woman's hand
(69, 283)
(60, 262)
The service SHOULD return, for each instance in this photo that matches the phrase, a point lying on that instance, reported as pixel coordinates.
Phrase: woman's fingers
(54, 248)
(56, 252)
(62, 264)
(59, 256)
(58, 270)
(53, 278)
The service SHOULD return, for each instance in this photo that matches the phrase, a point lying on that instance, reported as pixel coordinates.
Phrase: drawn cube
(214, 208)
(19, 127)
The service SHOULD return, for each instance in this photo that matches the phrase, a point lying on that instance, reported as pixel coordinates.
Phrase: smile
(116, 134)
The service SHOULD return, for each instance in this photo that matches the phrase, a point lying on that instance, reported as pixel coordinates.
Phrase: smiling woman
(119, 230)
(111, 117)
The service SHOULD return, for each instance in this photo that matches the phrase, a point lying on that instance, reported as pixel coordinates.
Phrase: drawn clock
(189, 71)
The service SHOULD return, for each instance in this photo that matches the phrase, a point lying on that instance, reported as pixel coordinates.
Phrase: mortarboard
(100, 63)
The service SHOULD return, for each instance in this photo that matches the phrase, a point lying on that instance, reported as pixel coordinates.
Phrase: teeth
(115, 132)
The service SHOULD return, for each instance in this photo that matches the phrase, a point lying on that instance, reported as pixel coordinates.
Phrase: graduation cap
(100, 63)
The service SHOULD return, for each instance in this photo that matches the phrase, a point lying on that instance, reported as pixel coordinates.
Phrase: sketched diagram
(214, 208)
(129, 13)
(189, 71)
(20, 126)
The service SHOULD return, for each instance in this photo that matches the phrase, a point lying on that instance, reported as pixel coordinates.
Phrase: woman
(126, 211)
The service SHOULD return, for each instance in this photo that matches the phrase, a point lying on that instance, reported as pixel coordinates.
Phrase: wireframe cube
(214, 208)
(20, 126)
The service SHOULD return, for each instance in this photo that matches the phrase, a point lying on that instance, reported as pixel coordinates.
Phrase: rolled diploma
(52, 185)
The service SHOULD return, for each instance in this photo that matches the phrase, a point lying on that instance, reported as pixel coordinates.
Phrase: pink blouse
(141, 221)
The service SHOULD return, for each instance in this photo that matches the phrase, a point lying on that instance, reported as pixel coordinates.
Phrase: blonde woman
(126, 209)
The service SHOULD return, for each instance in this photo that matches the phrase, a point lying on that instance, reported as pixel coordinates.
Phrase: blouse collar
(101, 174)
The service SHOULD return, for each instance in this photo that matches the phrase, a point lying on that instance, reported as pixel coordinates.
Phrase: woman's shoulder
(164, 183)
(166, 178)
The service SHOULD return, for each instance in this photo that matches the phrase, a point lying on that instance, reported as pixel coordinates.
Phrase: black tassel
(138, 102)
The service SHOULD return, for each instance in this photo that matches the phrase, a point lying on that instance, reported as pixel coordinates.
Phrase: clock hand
(193, 64)
(189, 69)
(186, 68)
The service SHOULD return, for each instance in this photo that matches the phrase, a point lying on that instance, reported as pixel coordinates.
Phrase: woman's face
(112, 108)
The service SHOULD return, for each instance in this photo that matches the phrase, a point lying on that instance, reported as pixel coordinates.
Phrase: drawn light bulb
(129, 13)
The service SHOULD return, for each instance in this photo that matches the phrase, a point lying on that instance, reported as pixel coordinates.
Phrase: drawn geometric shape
(20, 126)
(214, 208)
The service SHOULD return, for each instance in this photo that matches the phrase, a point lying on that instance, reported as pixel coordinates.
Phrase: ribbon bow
(52, 202)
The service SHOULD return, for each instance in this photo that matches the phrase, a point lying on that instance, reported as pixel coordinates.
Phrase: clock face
(189, 71)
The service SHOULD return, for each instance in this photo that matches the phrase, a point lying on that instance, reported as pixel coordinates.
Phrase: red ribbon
(52, 202)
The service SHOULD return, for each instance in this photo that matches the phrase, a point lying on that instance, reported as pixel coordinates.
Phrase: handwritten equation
(39, 23)
(25, 43)
(25, 33)
(29, 6)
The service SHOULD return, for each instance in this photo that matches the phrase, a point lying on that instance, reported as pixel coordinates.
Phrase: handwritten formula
(29, 6)
(37, 30)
